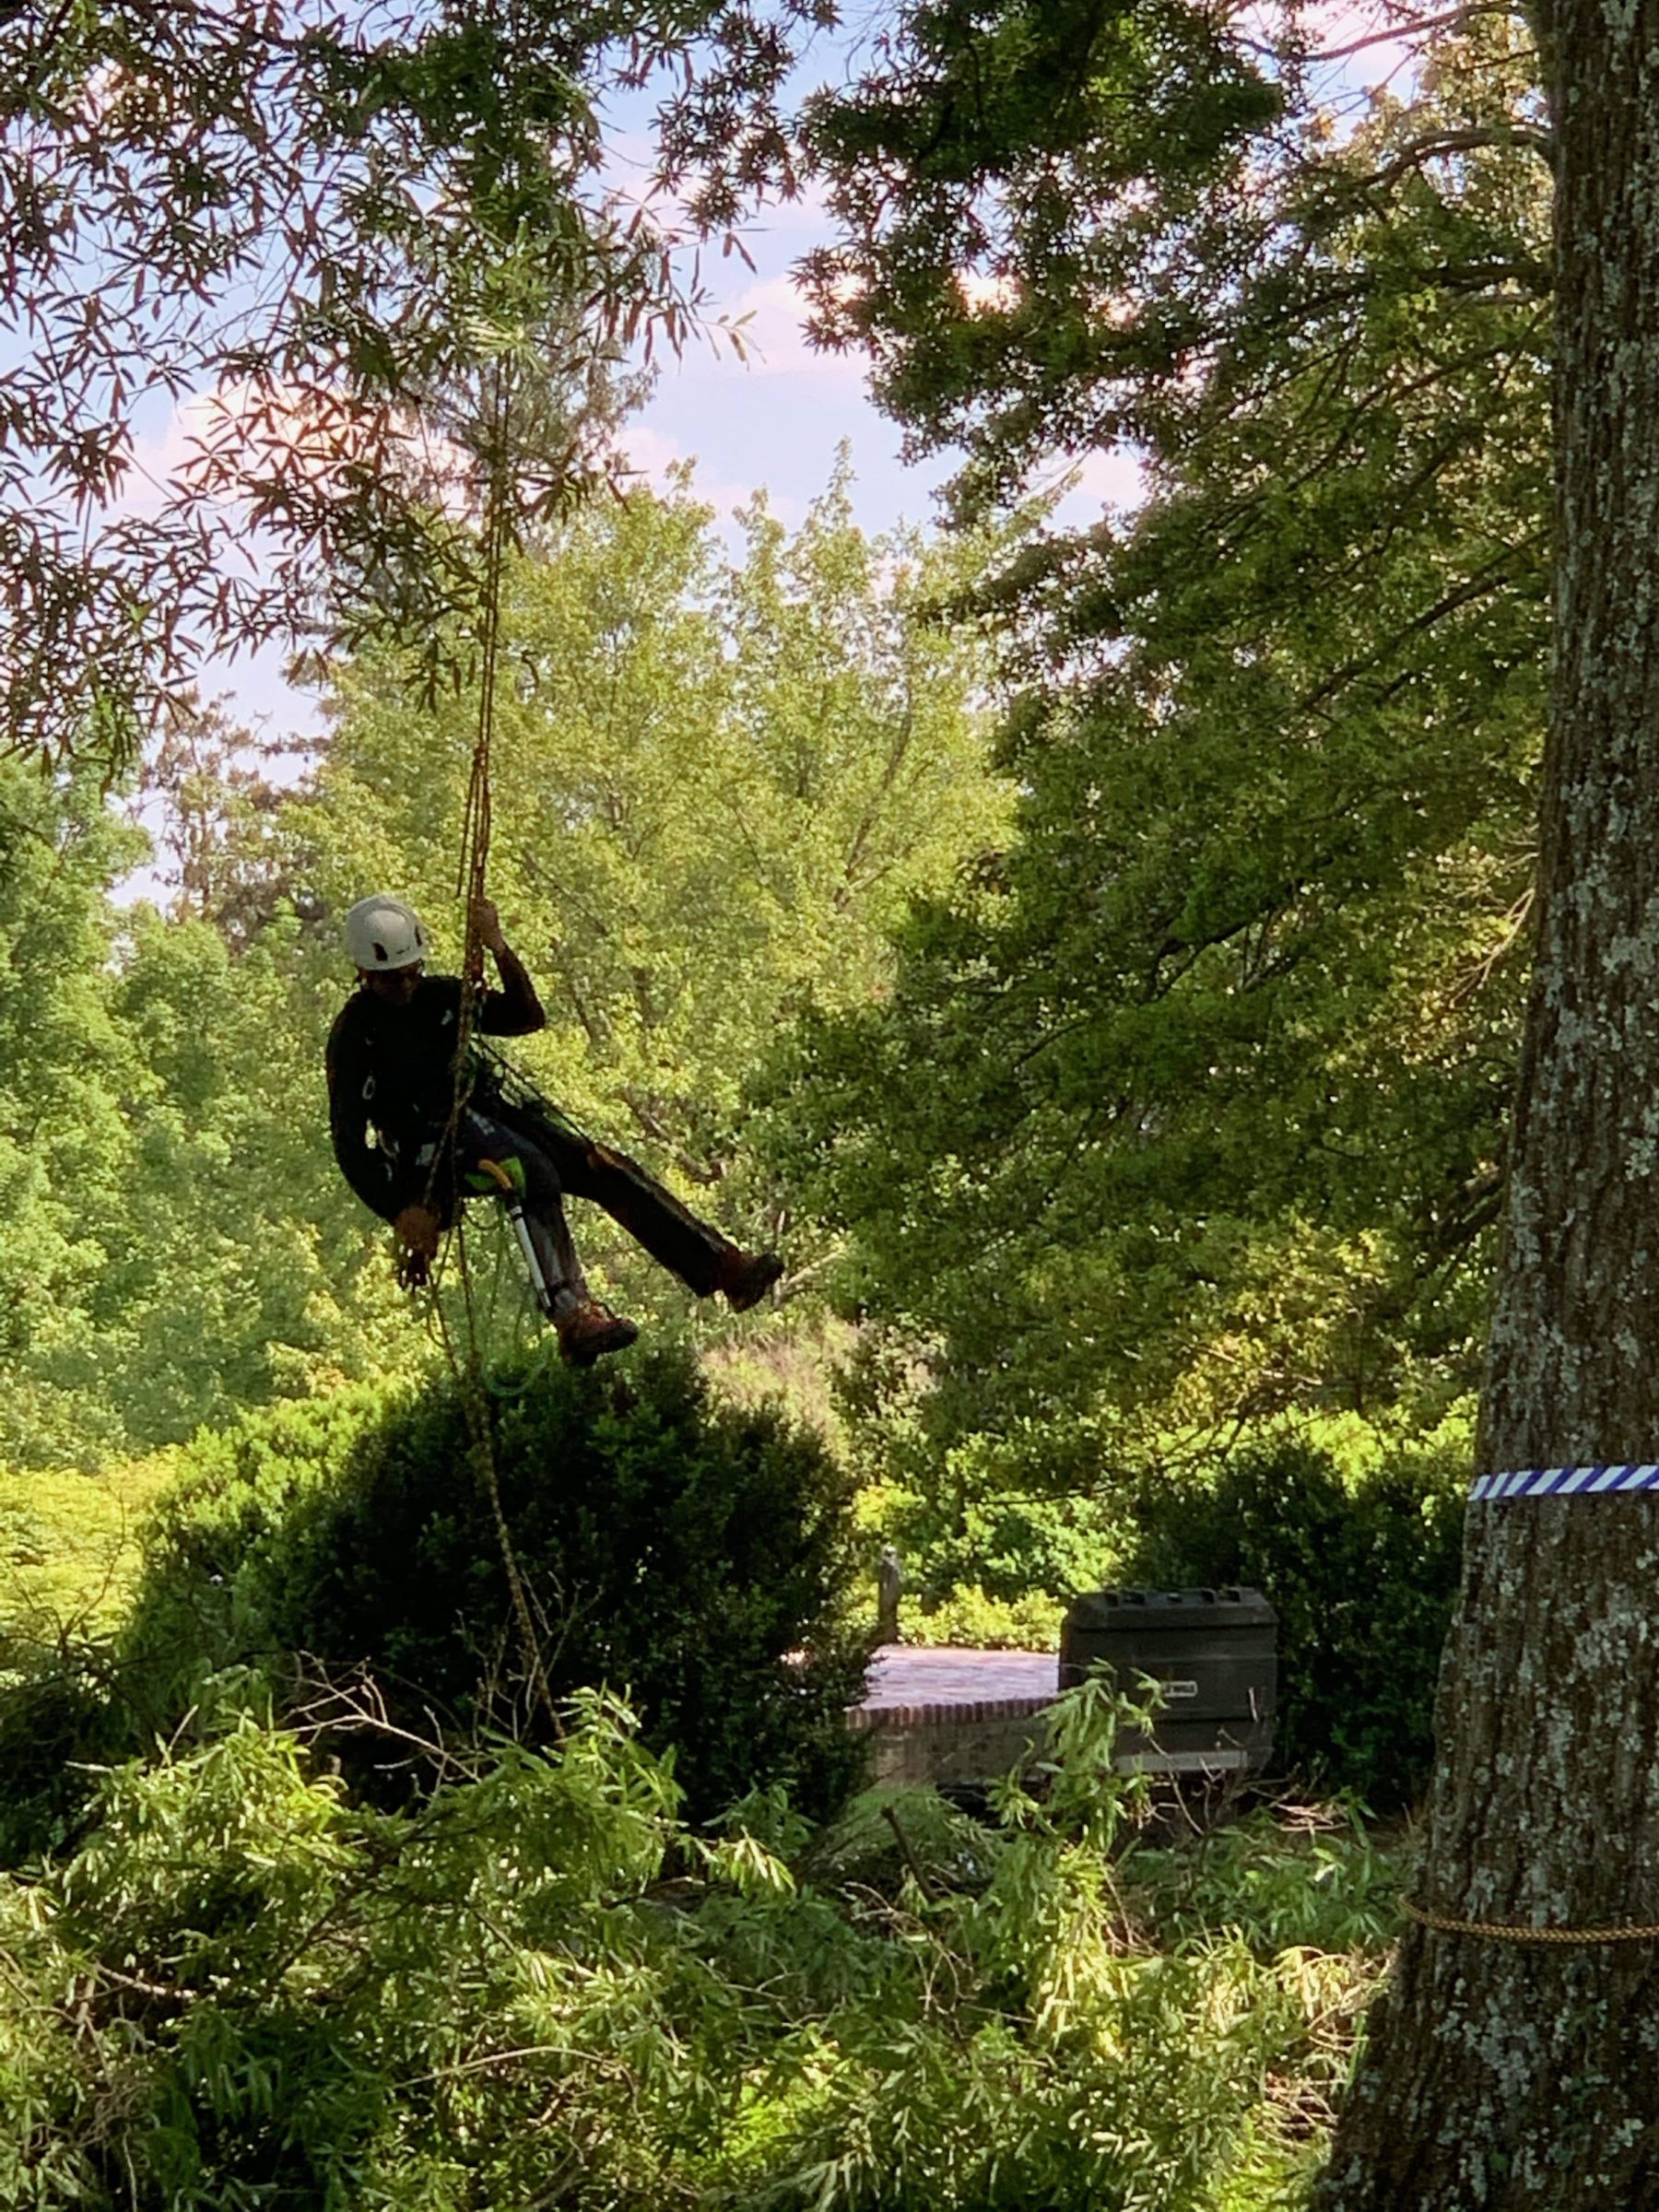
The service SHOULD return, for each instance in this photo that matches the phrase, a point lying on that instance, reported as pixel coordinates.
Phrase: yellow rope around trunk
(1510, 1931)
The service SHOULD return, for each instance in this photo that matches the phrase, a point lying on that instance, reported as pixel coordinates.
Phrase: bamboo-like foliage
(537, 1986)
(252, 259)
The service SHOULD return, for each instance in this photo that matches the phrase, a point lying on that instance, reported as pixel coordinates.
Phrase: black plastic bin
(1215, 1651)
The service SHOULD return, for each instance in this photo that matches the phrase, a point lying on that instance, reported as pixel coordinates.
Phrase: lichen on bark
(1499, 2076)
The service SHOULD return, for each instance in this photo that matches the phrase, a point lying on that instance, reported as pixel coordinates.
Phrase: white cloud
(658, 458)
(1114, 476)
(214, 445)
(1371, 42)
(151, 480)
(768, 320)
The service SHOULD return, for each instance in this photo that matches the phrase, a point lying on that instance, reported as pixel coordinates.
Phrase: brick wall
(955, 1743)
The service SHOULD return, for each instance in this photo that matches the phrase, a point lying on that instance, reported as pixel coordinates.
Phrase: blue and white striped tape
(1563, 1482)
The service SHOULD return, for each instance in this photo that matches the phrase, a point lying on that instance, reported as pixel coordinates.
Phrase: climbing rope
(468, 1372)
(1507, 1931)
(471, 876)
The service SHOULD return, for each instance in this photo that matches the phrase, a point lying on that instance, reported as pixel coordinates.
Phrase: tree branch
(1432, 143)
(1397, 33)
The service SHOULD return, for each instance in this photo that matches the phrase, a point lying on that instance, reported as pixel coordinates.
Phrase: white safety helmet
(384, 933)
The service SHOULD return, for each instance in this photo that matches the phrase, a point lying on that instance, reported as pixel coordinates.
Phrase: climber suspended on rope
(392, 1071)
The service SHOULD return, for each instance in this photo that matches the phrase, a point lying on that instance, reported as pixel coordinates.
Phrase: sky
(774, 418)
(777, 421)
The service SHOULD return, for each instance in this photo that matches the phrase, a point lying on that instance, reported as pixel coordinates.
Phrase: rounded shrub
(693, 1557)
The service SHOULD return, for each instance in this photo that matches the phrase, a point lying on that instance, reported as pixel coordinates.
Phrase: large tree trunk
(1498, 2076)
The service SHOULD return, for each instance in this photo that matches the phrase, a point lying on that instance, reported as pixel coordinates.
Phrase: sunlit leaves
(536, 1983)
(716, 783)
(1033, 200)
(1192, 1104)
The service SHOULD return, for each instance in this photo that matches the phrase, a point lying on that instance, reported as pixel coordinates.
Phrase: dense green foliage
(1000, 172)
(716, 788)
(1140, 1089)
(62, 1138)
(1358, 1540)
(717, 785)
(1192, 1105)
(537, 1985)
(174, 1245)
(690, 1557)
(1353, 1531)
(167, 1252)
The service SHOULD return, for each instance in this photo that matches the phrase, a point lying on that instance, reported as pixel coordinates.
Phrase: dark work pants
(559, 1163)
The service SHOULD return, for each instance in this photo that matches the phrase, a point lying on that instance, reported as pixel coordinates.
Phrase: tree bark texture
(1498, 2077)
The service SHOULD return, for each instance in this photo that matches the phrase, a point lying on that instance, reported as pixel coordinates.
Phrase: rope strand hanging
(472, 875)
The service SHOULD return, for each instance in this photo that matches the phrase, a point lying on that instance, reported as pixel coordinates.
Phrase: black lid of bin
(1229, 1606)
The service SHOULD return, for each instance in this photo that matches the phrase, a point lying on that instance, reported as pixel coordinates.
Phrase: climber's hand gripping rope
(417, 1229)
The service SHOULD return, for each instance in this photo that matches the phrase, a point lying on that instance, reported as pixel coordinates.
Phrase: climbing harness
(514, 1087)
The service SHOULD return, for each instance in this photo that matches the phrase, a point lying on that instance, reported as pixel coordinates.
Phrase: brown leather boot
(744, 1277)
(591, 1331)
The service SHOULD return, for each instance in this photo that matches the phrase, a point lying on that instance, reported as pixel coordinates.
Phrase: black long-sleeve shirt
(391, 1070)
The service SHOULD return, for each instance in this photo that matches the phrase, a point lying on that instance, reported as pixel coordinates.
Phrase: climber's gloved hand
(487, 925)
(417, 1229)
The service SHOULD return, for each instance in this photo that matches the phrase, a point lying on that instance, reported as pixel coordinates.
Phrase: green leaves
(716, 785)
(1030, 196)
(299, 232)
(695, 1559)
(1190, 1106)
(244, 1991)
(285, 1996)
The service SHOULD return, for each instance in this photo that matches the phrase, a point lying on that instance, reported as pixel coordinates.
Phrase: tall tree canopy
(1194, 1104)
(716, 785)
(64, 1141)
(718, 781)
(1040, 202)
